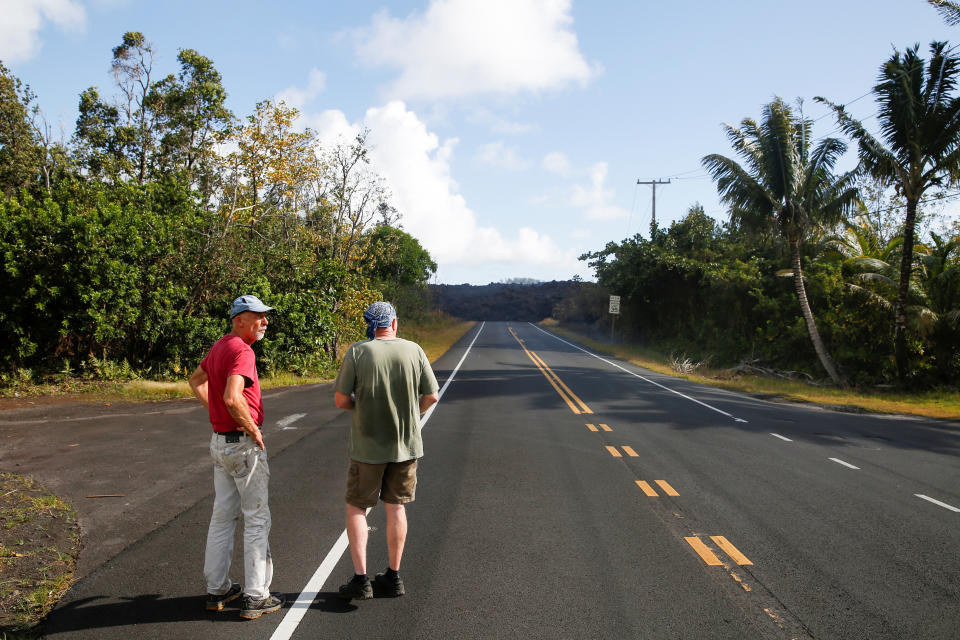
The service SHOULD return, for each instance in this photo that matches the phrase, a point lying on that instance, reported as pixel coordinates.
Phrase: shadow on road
(149, 608)
(331, 602)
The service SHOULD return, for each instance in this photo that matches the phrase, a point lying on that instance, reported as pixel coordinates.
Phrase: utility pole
(653, 217)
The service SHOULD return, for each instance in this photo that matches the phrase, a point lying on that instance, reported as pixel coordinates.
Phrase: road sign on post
(614, 312)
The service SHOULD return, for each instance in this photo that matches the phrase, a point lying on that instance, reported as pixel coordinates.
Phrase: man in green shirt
(388, 383)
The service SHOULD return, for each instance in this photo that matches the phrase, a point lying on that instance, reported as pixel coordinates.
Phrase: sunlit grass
(435, 333)
(931, 404)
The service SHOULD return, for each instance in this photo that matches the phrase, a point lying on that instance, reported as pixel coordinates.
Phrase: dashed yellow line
(710, 557)
(647, 489)
(651, 492)
(730, 550)
(591, 427)
(576, 405)
(613, 451)
(670, 491)
(605, 427)
(630, 452)
(703, 551)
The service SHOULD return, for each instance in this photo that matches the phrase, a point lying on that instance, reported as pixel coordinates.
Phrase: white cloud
(595, 199)
(23, 19)
(498, 154)
(460, 48)
(299, 98)
(557, 162)
(497, 124)
(417, 168)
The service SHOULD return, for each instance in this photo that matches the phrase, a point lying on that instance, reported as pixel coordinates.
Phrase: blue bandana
(377, 316)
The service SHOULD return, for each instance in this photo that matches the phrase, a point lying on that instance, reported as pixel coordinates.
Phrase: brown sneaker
(253, 609)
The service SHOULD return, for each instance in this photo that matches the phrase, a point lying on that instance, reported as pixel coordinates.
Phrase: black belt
(231, 436)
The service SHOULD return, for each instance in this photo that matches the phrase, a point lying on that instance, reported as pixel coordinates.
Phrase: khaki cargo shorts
(393, 482)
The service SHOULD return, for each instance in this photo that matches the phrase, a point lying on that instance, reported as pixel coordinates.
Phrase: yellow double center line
(576, 404)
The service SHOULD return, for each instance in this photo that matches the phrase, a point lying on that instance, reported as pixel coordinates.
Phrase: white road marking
(937, 502)
(637, 375)
(846, 464)
(777, 435)
(284, 423)
(299, 607)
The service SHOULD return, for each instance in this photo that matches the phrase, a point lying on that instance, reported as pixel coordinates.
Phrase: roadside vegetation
(777, 386)
(435, 331)
(854, 277)
(39, 542)
(122, 247)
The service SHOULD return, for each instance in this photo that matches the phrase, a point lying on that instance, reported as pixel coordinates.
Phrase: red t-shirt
(230, 355)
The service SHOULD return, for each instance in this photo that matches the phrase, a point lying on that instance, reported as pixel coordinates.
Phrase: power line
(679, 174)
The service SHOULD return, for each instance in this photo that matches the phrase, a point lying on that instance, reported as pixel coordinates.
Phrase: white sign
(615, 304)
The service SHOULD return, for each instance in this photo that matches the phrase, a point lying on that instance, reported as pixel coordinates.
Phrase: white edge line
(614, 364)
(777, 435)
(299, 607)
(846, 464)
(293, 417)
(937, 502)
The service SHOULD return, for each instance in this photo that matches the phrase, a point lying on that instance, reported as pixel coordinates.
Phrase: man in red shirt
(227, 384)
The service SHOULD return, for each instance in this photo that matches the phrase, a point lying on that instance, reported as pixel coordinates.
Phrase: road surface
(568, 495)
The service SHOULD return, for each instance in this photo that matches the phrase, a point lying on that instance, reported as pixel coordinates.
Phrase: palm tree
(786, 189)
(870, 271)
(940, 273)
(949, 11)
(920, 148)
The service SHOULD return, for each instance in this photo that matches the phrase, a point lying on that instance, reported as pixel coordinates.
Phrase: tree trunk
(906, 266)
(818, 345)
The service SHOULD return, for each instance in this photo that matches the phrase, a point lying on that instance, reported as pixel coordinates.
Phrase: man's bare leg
(396, 533)
(357, 535)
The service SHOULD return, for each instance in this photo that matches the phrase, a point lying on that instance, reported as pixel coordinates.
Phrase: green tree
(787, 187)
(97, 147)
(132, 68)
(20, 154)
(396, 257)
(193, 117)
(918, 148)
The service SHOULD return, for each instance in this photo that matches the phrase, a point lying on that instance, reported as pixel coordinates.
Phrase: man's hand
(257, 435)
(343, 401)
(240, 410)
(427, 401)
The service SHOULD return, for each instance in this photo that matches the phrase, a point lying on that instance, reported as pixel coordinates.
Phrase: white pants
(240, 477)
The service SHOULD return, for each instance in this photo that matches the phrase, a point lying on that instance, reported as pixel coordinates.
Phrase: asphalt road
(563, 495)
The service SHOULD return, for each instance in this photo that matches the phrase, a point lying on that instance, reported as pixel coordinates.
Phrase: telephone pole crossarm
(653, 215)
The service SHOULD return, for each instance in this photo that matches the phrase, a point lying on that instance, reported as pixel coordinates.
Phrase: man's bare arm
(239, 409)
(427, 401)
(198, 384)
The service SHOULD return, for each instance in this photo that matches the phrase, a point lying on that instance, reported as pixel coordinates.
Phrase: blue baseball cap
(248, 303)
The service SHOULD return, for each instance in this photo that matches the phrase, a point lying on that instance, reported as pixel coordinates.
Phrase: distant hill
(501, 301)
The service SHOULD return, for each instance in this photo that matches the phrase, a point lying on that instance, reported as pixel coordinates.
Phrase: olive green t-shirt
(387, 378)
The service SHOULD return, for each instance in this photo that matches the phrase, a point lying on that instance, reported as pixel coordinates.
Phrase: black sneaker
(387, 586)
(216, 603)
(253, 609)
(357, 589)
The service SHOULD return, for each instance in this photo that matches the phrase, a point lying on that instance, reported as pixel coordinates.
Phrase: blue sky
(511, 132)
